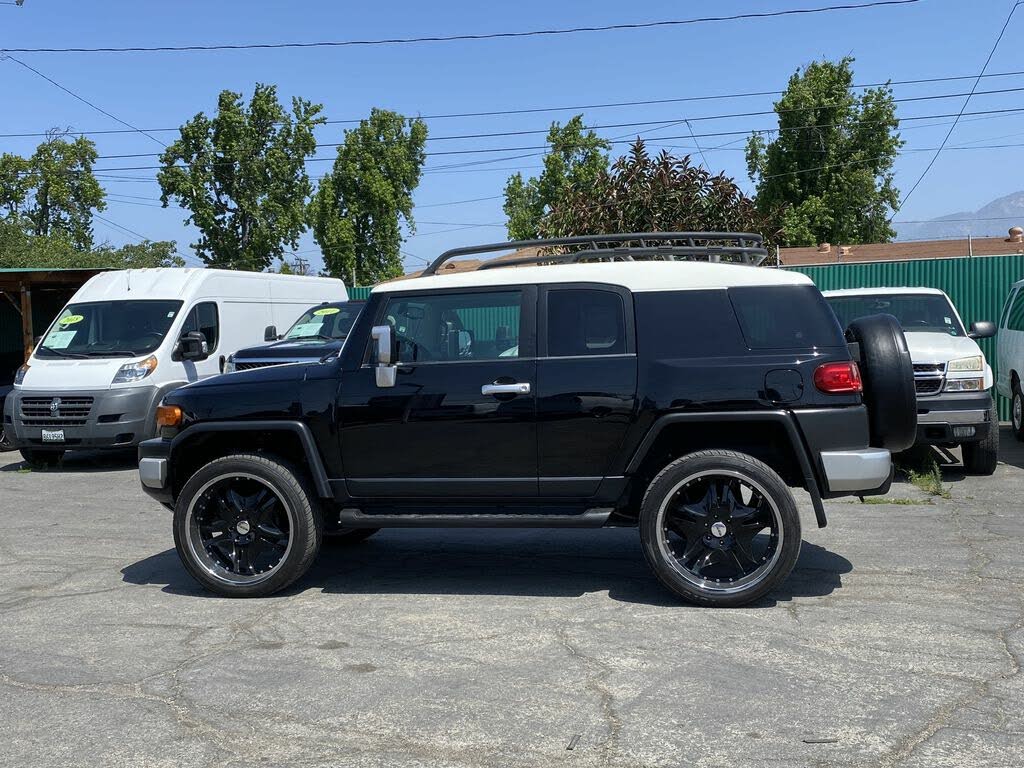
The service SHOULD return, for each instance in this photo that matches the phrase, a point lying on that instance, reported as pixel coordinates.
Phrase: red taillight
(836, 378)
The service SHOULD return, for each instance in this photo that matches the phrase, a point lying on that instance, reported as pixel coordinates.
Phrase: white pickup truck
(955, 405)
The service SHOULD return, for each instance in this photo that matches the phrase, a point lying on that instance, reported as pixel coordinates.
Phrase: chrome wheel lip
(743, 584)
(202, 557)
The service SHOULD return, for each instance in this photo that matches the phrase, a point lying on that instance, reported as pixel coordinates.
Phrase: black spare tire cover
(888, 375)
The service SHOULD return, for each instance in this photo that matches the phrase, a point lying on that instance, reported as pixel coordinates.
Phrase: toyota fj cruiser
(607, 380)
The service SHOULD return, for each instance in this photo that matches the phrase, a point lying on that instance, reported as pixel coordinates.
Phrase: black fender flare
(314, 461)
(811, 481)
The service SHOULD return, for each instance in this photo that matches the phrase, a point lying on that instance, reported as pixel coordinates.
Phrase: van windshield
(325, 322)
(917, 312)
(109, 329)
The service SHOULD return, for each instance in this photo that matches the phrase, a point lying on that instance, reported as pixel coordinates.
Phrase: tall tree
(20, 249)
(641, 193)
(53, 192)
(358, 209)
(575, 159)
(242, 177)
(830, 167)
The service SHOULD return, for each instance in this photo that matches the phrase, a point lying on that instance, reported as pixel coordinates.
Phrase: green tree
(576, 158)
(830, 168)
(357, 211)
(21, 250)
(53, 192)
(640, 193)
(242, 177)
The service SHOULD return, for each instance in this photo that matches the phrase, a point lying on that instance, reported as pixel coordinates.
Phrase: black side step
(355, 518)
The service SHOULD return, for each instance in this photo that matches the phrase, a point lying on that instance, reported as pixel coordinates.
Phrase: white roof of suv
(637, 276)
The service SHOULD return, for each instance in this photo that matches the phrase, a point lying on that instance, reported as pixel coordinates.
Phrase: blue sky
(933, 38)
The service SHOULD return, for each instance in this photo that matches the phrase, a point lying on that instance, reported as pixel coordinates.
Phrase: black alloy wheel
(247, 525)
(720, 528)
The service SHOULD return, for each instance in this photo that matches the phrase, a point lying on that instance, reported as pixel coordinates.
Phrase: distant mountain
(992, 220)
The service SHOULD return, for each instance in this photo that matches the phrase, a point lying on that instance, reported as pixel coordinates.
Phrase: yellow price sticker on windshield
(326, 311)
(71, 320)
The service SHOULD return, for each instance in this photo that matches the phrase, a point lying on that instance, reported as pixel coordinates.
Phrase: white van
(127, 338)
(955, 406)
(1010, 356)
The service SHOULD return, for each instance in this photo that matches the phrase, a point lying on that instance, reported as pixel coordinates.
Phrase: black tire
(888, 375)
(1017, 412)
(982, 457)
(674, 531)
(348, 535)
(37, 457)
(202, 508)
(5, 444)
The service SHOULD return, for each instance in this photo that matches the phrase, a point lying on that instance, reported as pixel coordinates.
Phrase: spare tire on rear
(888, 375)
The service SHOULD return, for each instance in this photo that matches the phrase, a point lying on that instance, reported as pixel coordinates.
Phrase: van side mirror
(385, 352)
(982, 329)
(193, 346)
(270, 333)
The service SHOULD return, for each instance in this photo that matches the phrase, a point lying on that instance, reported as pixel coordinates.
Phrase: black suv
(320, 331)
(611, 380)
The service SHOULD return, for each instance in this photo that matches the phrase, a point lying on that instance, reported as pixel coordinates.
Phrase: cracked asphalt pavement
(897, 641)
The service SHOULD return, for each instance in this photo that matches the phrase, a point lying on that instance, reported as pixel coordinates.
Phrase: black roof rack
(742, 247)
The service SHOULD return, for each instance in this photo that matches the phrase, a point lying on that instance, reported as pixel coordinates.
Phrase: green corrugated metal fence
(977, 285)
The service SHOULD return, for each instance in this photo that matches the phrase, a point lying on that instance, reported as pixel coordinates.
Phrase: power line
(967, 101)
(482, 36)
(584, 107)
(5, 55)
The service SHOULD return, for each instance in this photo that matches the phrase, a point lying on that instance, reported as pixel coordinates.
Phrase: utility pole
(301, 266)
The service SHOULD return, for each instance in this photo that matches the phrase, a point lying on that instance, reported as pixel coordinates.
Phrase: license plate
(53, 435)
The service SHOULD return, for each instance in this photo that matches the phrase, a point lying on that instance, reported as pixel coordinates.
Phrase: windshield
(917, 312)
(325, 322)
(109, 329)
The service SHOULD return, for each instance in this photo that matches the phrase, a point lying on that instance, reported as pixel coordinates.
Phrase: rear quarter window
(681, 324)
(785, 317)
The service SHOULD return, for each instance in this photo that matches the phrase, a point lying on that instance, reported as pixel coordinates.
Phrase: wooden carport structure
(29, 299)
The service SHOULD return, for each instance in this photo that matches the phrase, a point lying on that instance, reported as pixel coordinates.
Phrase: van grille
(55, 411)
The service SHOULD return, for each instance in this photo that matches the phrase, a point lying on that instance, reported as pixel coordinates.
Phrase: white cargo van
(127, 338)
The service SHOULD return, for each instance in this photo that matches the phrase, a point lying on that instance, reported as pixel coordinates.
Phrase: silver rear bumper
(859, 470)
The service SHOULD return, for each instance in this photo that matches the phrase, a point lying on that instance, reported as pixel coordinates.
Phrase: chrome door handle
(519, 388)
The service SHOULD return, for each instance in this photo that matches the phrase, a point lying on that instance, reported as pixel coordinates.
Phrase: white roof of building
(881, 291)
(637, 276)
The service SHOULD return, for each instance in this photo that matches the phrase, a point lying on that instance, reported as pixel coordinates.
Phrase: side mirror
(982, 329)
(192, 346)
(270, 333)
(386, 355)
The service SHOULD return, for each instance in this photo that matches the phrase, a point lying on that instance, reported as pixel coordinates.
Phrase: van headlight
(965, 385)
(130, 372)
(19, 377)
(973, 363)
(229, 365)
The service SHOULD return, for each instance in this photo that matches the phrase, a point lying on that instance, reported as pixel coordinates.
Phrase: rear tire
(38, 458)
(247, 525)
(982, 457)
(702, 527)
(1017, 412)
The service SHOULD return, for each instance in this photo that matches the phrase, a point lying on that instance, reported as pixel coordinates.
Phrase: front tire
(43, 459)
(1017, 412)
(720, 528)
(982, 457)
(247, 525)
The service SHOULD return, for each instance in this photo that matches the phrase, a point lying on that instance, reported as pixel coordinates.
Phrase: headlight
(975, 363)
(965, 385)
(135, 371)
(229, 364)
(19, 377)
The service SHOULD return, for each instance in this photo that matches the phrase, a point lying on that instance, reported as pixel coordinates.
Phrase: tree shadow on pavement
(523, 563)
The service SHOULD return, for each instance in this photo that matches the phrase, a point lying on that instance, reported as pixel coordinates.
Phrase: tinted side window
(448, 327)
(203, 318)
(1015, 320)
(585, 322)
(785, 317)
(677, 324)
